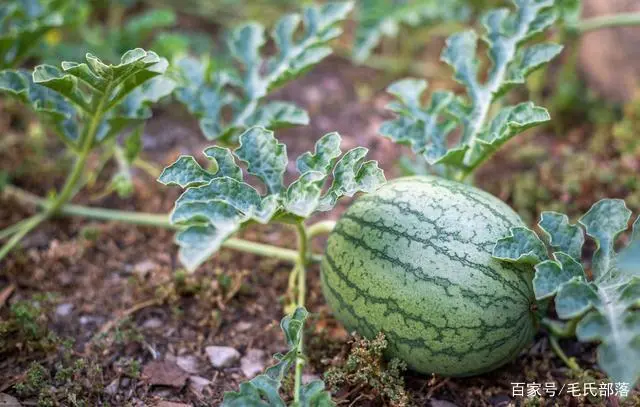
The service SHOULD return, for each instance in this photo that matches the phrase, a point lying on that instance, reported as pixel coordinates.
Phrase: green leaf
(604, 222)
(264, 156)
(185, 172)
(552, 275)
(563, 236)
(327, 150)
(378, 18)
(197, 243)
(226, 164)
(523, 246)
(575, 298)
(263, 390)
(615, 357)
(483, 132)
(351, 175)
(52, 107)
(425, 130)
(299, 46)
(199, 206)
(629, 259)
(303, 195)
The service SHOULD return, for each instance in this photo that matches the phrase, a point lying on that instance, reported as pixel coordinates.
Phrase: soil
(128, 279)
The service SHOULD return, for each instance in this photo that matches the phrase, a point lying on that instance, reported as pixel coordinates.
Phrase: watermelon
(413, 260)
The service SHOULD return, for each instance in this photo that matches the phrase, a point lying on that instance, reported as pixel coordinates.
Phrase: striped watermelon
(413, 260)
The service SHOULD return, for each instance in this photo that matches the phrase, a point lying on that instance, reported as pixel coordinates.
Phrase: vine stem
(149, 219)
(301, 274)
(570, 362)
(607, 21)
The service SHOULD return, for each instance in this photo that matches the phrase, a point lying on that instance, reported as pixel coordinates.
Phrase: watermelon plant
(483, 126)
(595, 303)
(218, 203)
(207, 92)
(87, 105)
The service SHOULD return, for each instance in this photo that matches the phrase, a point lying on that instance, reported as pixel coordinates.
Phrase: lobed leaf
(604, 222)
(606, 306)
(264, 156)
(218, 202)
(206, 92)
(562, 236)
(426, 129)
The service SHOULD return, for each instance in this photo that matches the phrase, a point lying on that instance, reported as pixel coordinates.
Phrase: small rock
(243, 326)
(145, 267)
(252, 363)
(442, 403)
(198, 383)
(222, 356)
(9, 401)
(88, 319)
(112, 388)
(164, 373)
(125, 382)
(188, 363)
(64, 310)
(164, 403)
(152, 323)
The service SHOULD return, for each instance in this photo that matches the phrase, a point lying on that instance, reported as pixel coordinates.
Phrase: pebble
(188, 363)
(145, 267)
(112, 388)
(252, 363)
(198, 383)
(243, 326)
(88, 319)
(152, 323)
(222, 356)
(64, 310)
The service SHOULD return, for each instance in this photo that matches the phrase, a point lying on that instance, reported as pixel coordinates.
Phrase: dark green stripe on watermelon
(413, 260)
